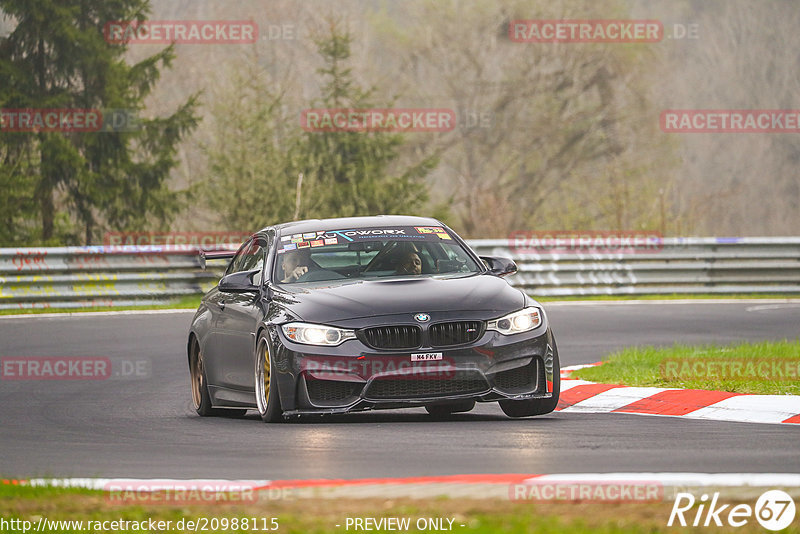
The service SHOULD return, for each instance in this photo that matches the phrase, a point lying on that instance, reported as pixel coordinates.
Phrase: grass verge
(673, 296)
(193, 301)
(189, 302)
(472, 516)
(767, 368)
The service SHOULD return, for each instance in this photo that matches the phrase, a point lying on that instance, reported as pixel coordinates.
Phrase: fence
(678, 266)
(89, 277)
(78, 277)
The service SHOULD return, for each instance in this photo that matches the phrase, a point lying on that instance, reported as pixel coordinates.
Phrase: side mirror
(499, 266)
(241, 282)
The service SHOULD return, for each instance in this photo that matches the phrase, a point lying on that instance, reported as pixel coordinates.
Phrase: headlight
(514, 323)
(316, 334)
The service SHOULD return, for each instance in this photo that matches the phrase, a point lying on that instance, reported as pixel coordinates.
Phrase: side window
(254, 259)
(241, 256)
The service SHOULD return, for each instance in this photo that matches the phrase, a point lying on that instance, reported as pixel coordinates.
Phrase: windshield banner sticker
(337, 237)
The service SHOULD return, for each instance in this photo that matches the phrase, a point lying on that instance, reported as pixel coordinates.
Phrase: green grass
(312, 515)
(705, 367)
(672, 296)
(187, 302)
(193, 301)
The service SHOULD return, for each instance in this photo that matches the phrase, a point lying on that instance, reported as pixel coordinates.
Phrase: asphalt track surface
(146, 427)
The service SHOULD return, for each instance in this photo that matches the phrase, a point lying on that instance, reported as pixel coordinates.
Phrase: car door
(238, 319)
(213, 349)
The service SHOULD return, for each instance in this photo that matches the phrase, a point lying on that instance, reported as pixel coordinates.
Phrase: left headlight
(515, 323)
(316, 334)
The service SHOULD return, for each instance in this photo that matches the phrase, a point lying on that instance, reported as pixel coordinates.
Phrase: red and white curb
(589, 397)
(478, 486)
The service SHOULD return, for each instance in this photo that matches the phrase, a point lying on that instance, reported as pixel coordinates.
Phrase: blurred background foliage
(548, 136)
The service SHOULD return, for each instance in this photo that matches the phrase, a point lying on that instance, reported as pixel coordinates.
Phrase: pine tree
(354, 173)
(57, 57)
(263, 169)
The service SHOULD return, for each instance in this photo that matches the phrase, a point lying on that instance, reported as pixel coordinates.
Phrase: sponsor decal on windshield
(438, 231)
(338, 237)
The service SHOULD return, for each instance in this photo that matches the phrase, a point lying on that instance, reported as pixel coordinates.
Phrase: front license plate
(426, 356)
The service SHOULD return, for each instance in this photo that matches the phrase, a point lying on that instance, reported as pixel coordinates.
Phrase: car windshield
(368, 253)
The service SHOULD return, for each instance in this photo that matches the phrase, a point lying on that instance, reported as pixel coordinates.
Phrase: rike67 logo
(774, 510)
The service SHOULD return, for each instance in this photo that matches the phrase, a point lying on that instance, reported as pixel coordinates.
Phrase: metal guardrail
(678, 266)
(90, 277)
(79, 277)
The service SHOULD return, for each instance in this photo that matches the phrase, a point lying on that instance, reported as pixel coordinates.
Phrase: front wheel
(267, 400)
(526, 408)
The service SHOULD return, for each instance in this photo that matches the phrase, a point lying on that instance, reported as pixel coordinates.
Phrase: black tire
(443, 409)
(267, 399)
(527, 408)
(200, 397)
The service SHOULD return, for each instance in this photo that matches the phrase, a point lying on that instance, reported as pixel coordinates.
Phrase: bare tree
(557, 128)
(745, 57)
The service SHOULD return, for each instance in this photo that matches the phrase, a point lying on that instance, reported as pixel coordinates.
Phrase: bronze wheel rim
(197, 378)
(265, 367)
(262, 378)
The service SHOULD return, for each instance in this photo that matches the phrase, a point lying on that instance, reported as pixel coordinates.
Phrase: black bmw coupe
(338, 315)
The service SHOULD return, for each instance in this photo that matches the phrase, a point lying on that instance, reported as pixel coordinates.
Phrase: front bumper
(355, 377)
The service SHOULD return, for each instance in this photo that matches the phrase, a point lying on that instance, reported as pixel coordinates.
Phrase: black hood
(330, 302)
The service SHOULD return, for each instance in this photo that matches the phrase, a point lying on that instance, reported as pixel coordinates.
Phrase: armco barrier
(87, 277)
(696, 265)
(76, 277)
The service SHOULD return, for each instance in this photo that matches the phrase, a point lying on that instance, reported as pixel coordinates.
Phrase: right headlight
(316, 334)
(515, 323)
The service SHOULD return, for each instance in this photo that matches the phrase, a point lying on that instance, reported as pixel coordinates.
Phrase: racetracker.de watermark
(163, 32)
(378, 120)
(50, 120)
(68, 120)
(174, 241)
(586, 31)
(180, 492)
(73, 368)
(730, 121)
(588, 491)
(432, 366)
(584, 242)
(756, 369)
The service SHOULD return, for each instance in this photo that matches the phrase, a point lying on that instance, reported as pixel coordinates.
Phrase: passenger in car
(410, 263)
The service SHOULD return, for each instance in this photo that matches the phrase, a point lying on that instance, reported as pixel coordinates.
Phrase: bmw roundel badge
(422, 317)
